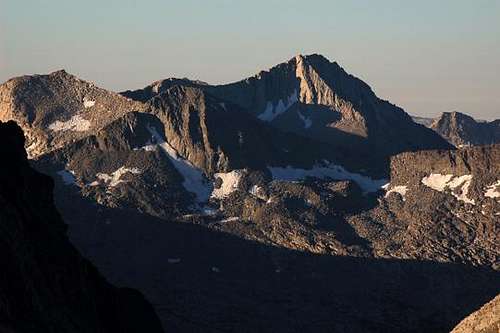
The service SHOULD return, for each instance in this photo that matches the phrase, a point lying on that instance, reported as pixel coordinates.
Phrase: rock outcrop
(122, 165)
(218, 136)
(439, 205)
(423, 120)
(484, 320)
(158, 87)
(58, 108)
(45, 284)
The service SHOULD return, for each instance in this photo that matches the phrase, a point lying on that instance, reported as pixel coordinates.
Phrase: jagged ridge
(462, 130)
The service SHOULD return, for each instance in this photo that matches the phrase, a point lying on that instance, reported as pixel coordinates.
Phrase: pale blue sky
(426, 56)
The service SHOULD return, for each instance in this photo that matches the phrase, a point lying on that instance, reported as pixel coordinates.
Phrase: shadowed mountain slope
(45, 284)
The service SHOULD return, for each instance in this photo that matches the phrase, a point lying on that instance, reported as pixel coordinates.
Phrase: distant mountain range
(315, 98)
(462, 130)
(293, 199)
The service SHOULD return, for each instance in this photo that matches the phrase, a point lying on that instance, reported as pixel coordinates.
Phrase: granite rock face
(218, 136)
(45, 284)
(58, 108)
(484, 320)
(439, 205)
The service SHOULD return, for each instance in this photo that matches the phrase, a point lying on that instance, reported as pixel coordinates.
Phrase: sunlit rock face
(484, 320)
(58, 108)
(316, 98)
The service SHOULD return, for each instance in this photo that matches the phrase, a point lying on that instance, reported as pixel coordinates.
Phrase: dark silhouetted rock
(45, 284)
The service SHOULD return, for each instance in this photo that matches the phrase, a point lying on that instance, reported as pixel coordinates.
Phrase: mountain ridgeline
(295, 199)
(462, 130)
(315, 98)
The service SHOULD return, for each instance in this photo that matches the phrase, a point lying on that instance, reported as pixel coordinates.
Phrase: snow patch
(306, 120)
(271, 111)
(209, 211)
(88, 103)
(229, 219)
(258, 192)
(401, 189)
(76, 123)
(114, 179)
(492, 191)
(194, 179)
(271, 200)
(148, 146)
(67, 176)
(437, 181)
(230, 183)
(440, 182)
(327, 170)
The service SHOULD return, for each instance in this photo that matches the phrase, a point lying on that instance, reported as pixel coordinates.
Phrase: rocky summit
(292, 200)
(58, 108)
(462, 130)
(315, 98)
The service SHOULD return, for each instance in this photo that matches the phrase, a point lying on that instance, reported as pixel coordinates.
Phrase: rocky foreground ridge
(484, 320)
(46, 285)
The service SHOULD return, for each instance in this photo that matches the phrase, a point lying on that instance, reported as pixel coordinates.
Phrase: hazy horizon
(426, 57)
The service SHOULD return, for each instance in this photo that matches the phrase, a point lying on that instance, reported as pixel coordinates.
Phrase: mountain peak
(454, 117)
(160, 86)
(316, 57)
(314, 97)
(455, 114)
(62, 74)
(311, 56)
(59, 72)
(58, 108)
(463, 130)
(299, 57)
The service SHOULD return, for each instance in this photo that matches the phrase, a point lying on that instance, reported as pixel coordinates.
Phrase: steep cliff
(45, 284)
